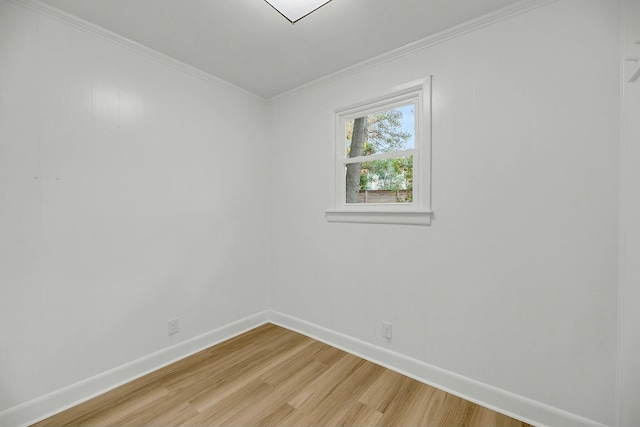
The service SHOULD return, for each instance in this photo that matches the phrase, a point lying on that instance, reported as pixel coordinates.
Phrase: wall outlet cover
(174, 326)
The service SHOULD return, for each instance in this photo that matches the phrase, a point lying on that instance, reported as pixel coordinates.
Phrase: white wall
(514, 283)
(630, 228)
(129, 195)
(132, 192)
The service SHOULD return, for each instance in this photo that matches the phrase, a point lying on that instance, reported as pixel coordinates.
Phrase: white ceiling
(249, 44)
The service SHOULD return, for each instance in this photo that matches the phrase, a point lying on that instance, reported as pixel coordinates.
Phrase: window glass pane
(380, 181)
(381, 132)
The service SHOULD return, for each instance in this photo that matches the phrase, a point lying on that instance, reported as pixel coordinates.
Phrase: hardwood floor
(271, 376)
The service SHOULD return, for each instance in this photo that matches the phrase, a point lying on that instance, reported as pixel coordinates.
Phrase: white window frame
(416, 212)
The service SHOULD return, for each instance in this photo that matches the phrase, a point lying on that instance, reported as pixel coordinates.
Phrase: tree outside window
(387, 132)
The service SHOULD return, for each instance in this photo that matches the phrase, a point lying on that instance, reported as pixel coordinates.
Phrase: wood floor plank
(274, 418)
(356, 414)
(230, 407)
(271, 376)
(292, 366)
(419, 407)
(399, 403)
(247, 373)
(382, 391)
(282, 393)
(344, 386)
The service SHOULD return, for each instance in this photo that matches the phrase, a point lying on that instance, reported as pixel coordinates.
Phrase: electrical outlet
(174, 326)
(387, 330)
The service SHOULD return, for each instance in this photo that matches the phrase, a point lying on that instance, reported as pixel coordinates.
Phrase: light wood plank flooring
(271, 376)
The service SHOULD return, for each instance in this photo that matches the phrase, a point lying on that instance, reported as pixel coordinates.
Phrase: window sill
(404, 218)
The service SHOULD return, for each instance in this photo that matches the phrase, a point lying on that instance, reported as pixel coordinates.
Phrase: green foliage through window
(386, 131)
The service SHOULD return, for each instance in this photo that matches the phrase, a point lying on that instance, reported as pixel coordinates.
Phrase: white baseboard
(513, 405)
(52, 403)
(522, 408)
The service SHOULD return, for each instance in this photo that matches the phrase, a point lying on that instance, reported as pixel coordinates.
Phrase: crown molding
(95, 30)
(502, 14)
(453, 32)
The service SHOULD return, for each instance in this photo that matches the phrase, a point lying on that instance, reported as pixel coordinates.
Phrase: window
(382, 160)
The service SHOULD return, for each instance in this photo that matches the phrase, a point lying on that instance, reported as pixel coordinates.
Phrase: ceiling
(249, 44)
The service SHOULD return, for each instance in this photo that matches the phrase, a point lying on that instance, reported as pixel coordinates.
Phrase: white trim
(396, 97)
(95, 30)
(42, 407)
(622, 198)
(635, 76)
(507, 12)
(396, 217)
(380, 156)
(505, 402)
(416, 212)
(623, 403)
